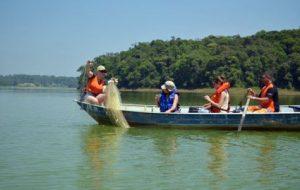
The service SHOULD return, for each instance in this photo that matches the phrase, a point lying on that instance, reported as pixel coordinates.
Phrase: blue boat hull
(203, 120)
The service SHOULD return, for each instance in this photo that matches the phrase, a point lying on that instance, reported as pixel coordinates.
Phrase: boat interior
(197, 109)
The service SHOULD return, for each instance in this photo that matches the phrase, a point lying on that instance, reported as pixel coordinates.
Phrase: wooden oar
(244, 114)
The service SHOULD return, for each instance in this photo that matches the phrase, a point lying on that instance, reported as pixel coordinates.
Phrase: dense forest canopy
(38, 81)
(194, 63)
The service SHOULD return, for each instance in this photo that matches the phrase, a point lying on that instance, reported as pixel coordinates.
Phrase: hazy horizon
(38, 75)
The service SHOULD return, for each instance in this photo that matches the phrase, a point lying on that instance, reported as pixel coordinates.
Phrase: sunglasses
(103, 71)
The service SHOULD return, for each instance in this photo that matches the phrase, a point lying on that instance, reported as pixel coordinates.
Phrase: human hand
(113, 80)
(89, 63)
(156, 96)
(250, 91)
(207, 98)
(168, 111)
(251, 97)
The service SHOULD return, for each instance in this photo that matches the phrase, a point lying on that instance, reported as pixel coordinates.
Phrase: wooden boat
(149, 115)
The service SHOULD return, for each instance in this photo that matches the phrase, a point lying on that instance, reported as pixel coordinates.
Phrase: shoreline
(210, 90)
(36, 87)
(286, 92)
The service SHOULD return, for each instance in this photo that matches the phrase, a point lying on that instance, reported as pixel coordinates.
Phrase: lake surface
(47, 142)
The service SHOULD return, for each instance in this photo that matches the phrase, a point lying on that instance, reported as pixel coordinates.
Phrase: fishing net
(113, 106)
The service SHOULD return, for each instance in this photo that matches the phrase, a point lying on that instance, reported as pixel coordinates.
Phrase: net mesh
(113, 106)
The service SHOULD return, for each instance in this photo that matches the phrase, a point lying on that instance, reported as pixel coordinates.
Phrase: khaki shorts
(257, 109)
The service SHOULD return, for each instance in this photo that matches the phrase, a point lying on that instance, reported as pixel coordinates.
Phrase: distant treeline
(38, 81)
(194, 63)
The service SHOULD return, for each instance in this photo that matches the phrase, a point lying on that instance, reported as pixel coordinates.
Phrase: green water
(47, 142)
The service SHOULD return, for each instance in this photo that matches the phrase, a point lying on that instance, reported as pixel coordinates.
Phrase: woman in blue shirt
(168, 100)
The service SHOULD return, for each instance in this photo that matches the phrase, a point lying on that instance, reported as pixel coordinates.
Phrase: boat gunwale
(180, 113)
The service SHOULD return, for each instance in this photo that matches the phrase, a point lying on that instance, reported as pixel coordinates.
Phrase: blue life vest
(166, 102)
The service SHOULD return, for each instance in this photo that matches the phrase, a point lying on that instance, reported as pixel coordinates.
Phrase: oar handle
(244, 114)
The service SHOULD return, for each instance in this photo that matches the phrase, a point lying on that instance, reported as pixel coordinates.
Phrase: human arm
(269, 95)
(174, 106)
(88, 69)
(215, 104)
(157, 97)
(207, 105)
(258, 98)
(104, 89)
(251, 92)
(253, 96)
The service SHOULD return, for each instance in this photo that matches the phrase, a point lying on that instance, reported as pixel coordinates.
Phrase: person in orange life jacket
(268, 97)
(219, 101)
(95, 88)
(168, 100)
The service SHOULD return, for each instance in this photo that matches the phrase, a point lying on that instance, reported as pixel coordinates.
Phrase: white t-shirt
(224, 105)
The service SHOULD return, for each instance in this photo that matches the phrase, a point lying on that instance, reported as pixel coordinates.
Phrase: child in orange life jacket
(268, 97)
(219, 101)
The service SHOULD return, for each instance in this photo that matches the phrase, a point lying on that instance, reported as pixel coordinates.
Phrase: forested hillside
(193, 63)
(38, 81)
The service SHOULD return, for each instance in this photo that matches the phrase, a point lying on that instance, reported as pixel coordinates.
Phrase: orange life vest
(94, 87)
(269, 104)
(217, 95)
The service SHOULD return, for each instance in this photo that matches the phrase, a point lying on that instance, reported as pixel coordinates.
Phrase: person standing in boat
(168, 100)
(268, 97)
(219, 101)
(95, 88)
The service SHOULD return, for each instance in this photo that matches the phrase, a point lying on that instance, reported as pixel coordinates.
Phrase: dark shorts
(85, 95)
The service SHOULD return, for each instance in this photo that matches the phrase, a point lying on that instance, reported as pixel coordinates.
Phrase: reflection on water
(218, 160)
(164, 142)
(166, 145)
(211, 159)
(266, 164)
(101, 145)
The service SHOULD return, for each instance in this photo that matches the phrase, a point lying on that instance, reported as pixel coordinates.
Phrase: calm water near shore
(47, 142)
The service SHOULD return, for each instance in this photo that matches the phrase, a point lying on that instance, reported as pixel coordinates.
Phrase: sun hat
(101, 68)
(169, 85)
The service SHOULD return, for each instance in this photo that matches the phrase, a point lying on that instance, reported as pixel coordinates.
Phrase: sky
(55, 37)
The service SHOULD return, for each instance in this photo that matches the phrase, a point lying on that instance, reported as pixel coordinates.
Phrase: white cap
(169, 85)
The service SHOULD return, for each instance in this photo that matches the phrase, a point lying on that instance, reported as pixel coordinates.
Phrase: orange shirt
(94, 86)
(269, 104)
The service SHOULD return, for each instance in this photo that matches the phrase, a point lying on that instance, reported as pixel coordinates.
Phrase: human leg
(257, 109)
(90, 98)
(100, 98)
(253, 108)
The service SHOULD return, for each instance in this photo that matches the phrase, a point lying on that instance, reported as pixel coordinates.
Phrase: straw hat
(101, 68)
